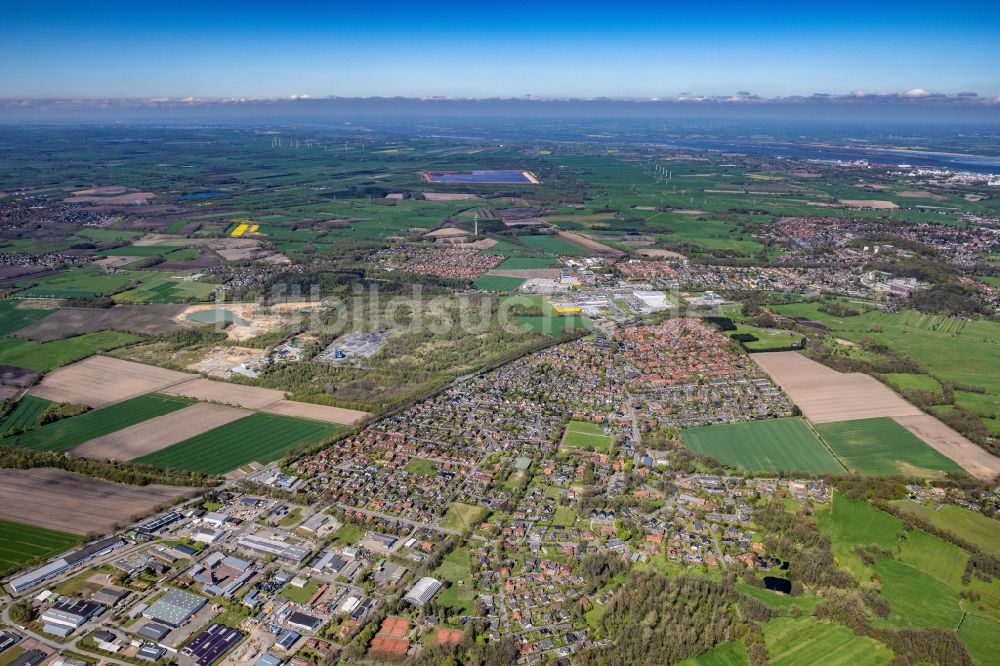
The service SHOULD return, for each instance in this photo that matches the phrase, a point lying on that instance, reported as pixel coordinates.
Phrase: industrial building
(175, 607)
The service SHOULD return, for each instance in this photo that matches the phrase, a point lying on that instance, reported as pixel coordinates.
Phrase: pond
(490, 176)
(200, 195)
(216, 316)
(778, 584)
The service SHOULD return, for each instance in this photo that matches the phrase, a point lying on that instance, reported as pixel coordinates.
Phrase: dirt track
(159, 432)
(100, 380)
(77, 504)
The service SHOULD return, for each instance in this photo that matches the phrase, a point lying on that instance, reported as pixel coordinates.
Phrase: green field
(982, 636)
(301, 595)
(772, 446)
(463, 517)
(498, 283)
(77, 283)
(348, 535)
(552, 245)
(14, 318)
(259, 437)
(585, 435)
(555, 325)
(525, 263)
(918, 600)
(46, 356)
(882, 447)
(25, 414)
(973, 527)
(730, 653)
(456, 567)
(421, 466)
(808, 642)
(20, 544)
(908, 381)
(849, 523)
(65, 434)
(161, 288)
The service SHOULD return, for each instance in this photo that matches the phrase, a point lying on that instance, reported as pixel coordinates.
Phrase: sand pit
(877, 204)
(250, 323)
(952, 444)
(159, 432)
(825, 395)
(249, 397)
(78, 504)
(99, 380)
(307, 410)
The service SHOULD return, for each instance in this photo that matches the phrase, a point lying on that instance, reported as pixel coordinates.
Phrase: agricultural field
(772, 446)
(14, 317)
(76, 283)
(917, 599)
(882, 447)
(806, 641)
(20, 544)
(982, 636)
(46, 356)
(973, 527)
(68, 433)
(82, 505)
(100, 380)
(259, 437)
(498, 283)
(526, 263)
(161, 288)
(585, 435)
(24, 416)
(552, 245)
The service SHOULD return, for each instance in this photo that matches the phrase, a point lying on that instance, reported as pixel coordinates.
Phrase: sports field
(882, 447)
(258, 437)
(772, 446)
(585, 435)
(806, 641)
(25, 415)
(20, 544)
(498, 283)
(65, 434)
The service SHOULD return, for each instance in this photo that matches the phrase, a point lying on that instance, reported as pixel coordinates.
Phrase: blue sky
(561, 49)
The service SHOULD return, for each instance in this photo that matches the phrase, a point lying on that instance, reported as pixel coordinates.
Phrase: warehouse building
(175, 607)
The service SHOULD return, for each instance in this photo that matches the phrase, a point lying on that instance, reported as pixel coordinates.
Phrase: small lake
(778, 584)
(200, 195)
(217, 316)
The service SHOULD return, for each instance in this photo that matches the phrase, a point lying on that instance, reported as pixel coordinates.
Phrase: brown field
(115, 262)
(152, 319)
(952, 444)
(7, 392)
(317, 412)
(131, 199)
(909, 194)
(15, 376)
(878, 204)
(159, 432)
(249, 397)
(825, 395)
(78, 504)
(653, 252)
(99, 380)
(588, 244)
